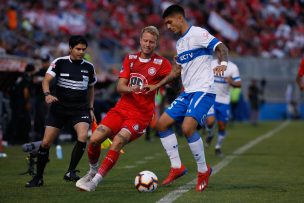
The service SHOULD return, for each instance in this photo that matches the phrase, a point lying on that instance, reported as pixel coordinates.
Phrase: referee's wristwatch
(46, 94)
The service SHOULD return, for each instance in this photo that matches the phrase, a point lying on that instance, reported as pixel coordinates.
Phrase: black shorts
(59, 120)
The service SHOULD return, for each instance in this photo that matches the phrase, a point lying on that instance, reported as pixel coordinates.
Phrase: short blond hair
(152, 30)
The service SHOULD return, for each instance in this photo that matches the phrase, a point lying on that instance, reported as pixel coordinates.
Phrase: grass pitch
(271, 171)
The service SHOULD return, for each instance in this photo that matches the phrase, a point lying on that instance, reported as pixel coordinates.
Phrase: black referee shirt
(72, 80)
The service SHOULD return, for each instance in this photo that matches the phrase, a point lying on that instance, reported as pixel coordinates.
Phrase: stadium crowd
(266, 28)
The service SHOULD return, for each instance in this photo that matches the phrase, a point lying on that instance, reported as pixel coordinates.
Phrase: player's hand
(219, 70)
(150, 88)
(135, 88)
(92, 116)
(229, 80)
(302, 87)
(51, 99)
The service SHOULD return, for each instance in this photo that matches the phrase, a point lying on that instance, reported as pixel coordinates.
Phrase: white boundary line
(172, 196)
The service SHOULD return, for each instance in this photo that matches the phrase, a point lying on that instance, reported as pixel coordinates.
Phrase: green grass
(271, 171)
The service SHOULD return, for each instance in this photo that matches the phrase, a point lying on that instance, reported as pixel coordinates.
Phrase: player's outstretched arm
(175, 73)
(222, 54)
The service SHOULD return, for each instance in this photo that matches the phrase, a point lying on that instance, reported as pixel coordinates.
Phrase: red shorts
(134, 122)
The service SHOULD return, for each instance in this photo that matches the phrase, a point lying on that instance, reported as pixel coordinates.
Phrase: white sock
(220, 137)
(93, 168)
(197, 149)
(171, 146)
(97, 178)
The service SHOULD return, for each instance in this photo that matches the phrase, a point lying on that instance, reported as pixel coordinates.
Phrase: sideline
(175, 194)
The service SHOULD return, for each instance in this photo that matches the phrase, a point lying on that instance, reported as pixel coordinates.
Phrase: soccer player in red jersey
(131, 115)
(300, 75)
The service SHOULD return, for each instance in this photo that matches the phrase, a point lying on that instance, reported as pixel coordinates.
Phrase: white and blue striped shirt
(194, 54)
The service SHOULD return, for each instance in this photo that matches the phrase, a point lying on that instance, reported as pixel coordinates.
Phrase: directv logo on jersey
(84, 71)
(84, 116)
(187, 56)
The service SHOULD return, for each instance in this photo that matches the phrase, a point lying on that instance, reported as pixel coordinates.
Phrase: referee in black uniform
(71, 103)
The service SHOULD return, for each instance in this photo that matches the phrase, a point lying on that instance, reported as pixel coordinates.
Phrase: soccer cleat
(218, 152)
(202, 180)
(71, 176)
(35, 182)
(208, 141)
(87, 186)
(88, 177)
(174, 174)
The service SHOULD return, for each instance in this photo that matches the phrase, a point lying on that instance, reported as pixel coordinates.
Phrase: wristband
(91, 109)
(224, 63)
(46, 93)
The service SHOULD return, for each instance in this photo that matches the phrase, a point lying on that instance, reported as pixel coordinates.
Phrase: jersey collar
(82, 61)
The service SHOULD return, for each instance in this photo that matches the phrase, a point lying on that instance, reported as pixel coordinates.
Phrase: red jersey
(142, 72)
(301, 69)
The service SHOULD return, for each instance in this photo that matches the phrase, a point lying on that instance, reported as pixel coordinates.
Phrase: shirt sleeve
(165, 69)
(236, 74)
(125, 69)
(53, 69)
(207, 40)
(301, 69)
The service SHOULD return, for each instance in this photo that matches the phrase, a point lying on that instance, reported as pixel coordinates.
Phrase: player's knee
(160, 126)
(118, 142)
(82, 137)
(45, 144)
(187, 131)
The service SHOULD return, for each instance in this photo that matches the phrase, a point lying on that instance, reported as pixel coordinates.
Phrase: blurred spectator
(254, 100)
(261, 28)
(40, 108)
(20, 124)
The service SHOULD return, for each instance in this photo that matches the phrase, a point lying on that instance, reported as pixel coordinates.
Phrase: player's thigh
(81, 123)
(174, 113)
(54, 122)
(50, 134)
(114, 120)
(122, 138)
(81, 129)
(189, 126)
(164, 122)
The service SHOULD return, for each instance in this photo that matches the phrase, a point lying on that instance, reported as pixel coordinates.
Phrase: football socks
(169, 142)
(77, 153)
(197, 148)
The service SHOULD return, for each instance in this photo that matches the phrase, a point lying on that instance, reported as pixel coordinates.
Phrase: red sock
(108, 162)
(93, 153)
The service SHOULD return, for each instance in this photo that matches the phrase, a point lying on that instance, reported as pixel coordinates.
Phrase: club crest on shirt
(152, 71)
(136, 127)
